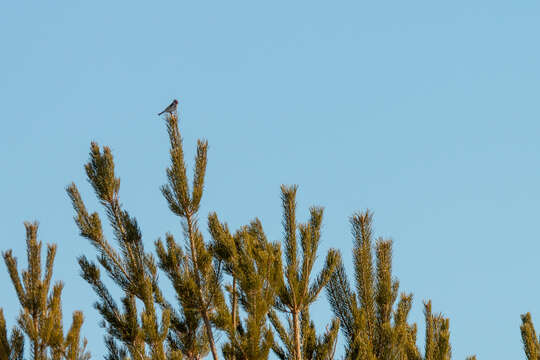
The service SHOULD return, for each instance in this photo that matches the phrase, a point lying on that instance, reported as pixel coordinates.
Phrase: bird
(171, 108)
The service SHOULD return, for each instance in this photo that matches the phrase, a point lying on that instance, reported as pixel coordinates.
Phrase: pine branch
(531, 345)
(131, 268)
(342, 302)
(295, 293)
(12, 347)
(201, 274)
(40, 318)
(372, 329)
(255, 266)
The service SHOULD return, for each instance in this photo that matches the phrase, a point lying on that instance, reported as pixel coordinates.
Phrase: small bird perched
(171, 108)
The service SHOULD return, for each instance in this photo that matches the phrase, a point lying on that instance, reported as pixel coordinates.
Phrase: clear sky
(425, 112)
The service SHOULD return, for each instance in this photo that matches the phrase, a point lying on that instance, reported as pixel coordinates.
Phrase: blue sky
(425, 112)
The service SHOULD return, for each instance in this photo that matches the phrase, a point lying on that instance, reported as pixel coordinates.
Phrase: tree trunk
(210, 334)
(202, 301)
(37, 348)
(296, 329)
(234, 310)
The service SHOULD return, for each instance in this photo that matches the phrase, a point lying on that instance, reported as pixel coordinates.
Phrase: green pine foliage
(373, 326)
(40, 318)
(531, 345)
(254, 264)
(12, 346)
(187, 332)
(437, 335)
(318, 347)
(270, 285)
(139, 333)
(295, 293)
(197, 284)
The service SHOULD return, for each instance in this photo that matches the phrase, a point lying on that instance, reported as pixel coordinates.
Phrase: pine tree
(11, 347)
(531, 345)
(372, 329)
(295, 293)
(437, 335)
(200, 278)
(132, 269)
(187, 333)
(41, 310)
(254, 264)
(318, 347)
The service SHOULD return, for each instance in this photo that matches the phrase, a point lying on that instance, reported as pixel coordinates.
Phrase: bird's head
(175, 101)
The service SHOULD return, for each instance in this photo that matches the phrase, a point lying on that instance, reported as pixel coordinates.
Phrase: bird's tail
(161, 113)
